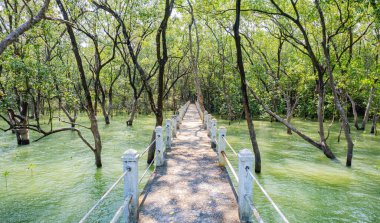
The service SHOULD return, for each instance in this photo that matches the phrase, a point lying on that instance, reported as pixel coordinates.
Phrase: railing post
(213, 133)
(178, 121)
(159, 157)
(221, 145)
(130, 164)
(209, 119)
(245, 187)
(183, 112)
(174, 128)
(168, 134)
(205, 116)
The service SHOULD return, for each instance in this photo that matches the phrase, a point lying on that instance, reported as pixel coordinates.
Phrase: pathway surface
(190, 187)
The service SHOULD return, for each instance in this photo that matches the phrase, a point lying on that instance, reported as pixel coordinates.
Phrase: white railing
(268, 197)
(121, 210)
(130, 170)
(244, 178)
(102, 198)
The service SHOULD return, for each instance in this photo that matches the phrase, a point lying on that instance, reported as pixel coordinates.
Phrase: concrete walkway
(190, 187)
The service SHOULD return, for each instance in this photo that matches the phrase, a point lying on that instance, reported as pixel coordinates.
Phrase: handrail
(147, 148)
(180, 114)
(268, 197)
(146, 170)
(254, 210)
(121, 209)
(102, 198)
(229, 145)
(230, 166)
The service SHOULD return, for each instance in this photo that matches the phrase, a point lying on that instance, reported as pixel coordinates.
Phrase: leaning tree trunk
(290, 107)
(345, 123)
(354, 112)
(329, 154)
(14, 35)
(247, 111)
(368, 108)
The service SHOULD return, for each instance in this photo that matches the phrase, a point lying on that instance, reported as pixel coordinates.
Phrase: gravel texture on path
(190, 186)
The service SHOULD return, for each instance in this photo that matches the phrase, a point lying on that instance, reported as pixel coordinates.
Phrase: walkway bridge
(190, 182)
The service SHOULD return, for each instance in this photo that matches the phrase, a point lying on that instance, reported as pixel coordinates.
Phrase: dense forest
(268, 60)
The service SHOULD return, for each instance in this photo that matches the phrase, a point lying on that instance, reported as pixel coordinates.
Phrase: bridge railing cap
(246, 154)
(130, 155)
(158, 128)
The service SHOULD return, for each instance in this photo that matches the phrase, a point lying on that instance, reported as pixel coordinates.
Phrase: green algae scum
(55, 180)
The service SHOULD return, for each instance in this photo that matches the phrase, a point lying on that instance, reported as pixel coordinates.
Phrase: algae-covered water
(306, 185)
(55, 179)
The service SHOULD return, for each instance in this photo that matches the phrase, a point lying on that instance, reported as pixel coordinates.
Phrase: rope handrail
(121, 209)
(230, 166)
(102, 198)
(268, 197)
(254, 210)
(147, 148)
(229, 145)
(146, 170)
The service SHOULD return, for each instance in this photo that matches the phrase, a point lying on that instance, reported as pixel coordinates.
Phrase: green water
(64, 183)
(55, 180)
(306, 185)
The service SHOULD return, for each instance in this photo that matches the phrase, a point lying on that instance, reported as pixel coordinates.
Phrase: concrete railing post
(178, 120)
(205, 116)
(209, 119)
(159, 158)
(213, 133)
(183, 113)
(187, 106)
(179, 115)
(130, 164)
(174, 128)
(221, 145)
(168, 134)
(245, 187)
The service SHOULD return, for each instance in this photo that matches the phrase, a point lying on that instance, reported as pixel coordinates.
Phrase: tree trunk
(368, 108)
(67, 113)
(20, 123)
(90, 108)
(325, 150)
(247, 110)
(133, 112)
(13, 36)
(320, 114)
(162, 59)
(22, 133)
(98, 142)
(338, 105)
(354, 112)
(374, 121)
(345, 123)
(290, 107)
(105, 113)
(194, 59)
